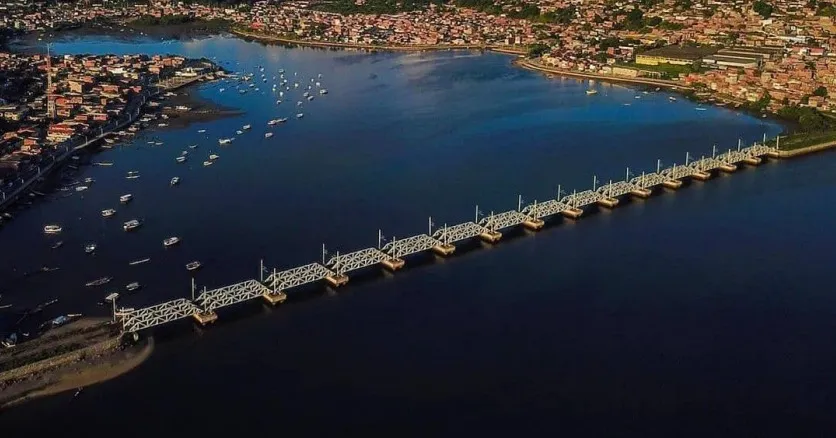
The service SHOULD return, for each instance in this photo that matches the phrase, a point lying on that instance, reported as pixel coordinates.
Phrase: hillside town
(46, 102)
(768, 55)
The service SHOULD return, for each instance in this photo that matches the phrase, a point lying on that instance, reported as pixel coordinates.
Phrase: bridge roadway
(441, 241)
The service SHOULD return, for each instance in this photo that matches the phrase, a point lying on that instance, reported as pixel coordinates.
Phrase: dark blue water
(702, 312)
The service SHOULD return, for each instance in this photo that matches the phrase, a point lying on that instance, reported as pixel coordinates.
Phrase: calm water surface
(703, 311)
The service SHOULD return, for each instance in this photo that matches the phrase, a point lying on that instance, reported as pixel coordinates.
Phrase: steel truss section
(158, 314)
(356, 260)
(410, 245)
(548, 208)
(616, 189)
(232, 294)
(462, 231)
(298, 276)
(502, 220)
(582, 199)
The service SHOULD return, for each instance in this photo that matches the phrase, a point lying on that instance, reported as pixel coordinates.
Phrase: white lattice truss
(462, 231)
(616, 189)
(158, 314)
(232, 294)
(410, 245)
(734, 157)
(648, 180)
(502, 220)
(757, 150)
(678, 172)
(540, 210)
(298, 276)
(356, 260)
(582, 199)
(708, 164)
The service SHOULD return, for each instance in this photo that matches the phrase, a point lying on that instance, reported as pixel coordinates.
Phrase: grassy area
(806, 139)
(668, 71)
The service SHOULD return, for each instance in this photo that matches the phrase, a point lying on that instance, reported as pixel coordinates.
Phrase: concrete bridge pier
(728, 168)
(204, 318)
(490, 236)
(607, 202)
(701, 175)
(337, 280)
(444, 249)
(533, 224)
(640, 192)
(393, 264)
(752, 161)
(572, 212)
(672, 184)
(274, 298)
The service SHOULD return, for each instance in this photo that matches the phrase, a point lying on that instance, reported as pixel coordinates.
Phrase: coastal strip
(529, 65)
(373, 47)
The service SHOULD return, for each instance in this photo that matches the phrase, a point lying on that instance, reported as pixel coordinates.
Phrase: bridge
(441, 241)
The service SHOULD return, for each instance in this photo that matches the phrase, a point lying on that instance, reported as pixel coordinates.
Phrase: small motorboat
(108, 213)
(191, 266)
(132, 286)
(175, 180)
(57, 244)
(207, 163)
(180, 159)
(131, 224)
(246, 127)
(90, 248)
(171, 241)
(139, 262)
(213, 157)
(268, 134)
(99, 282)
(201, 131)
(192, 146)
(239, 132)
(81, 188)
(126, 198)
(52, 229)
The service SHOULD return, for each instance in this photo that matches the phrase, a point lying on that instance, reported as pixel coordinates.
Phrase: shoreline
(373, 47)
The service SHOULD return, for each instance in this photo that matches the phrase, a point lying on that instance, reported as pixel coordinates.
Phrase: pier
(390, 254)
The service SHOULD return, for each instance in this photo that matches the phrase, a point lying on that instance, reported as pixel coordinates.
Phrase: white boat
(672, 99)
(132, 175)
(310, 97)
(52, 229)
(131, 224)
(306, 94)
(158, 143)
(222, 90)
(184, 153)
(126, 198)
(239, 132)
(99, 282)
(132, 286)
(191, 266)
(89, 248)
(323, 91)
(139, 262)
(108, 213)
(207, 163)
(81, 188)
(180, 159)
(89, 180)
(268, 134)
(300, 115)
(272, 122)
(281, 120)
(175, 180)
(171, 241)
(213, 157)
(245, 127)
(699, 108)
(225, 141)
(201, 131)
(162, 125)
(192, 146)
(591, 92)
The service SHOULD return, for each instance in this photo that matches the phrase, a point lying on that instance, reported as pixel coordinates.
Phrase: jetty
(335, 271)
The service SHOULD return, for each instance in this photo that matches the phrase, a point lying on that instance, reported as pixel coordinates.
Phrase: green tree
(537, 50)
(821, 91)
(763, 8)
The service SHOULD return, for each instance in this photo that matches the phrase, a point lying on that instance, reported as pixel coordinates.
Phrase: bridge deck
(582, 199)
(147, 317)
(616, 189)
(455, 233)
(678, 172)
(353, 261)
(648, 180)
(298, 276)
(544, 209)
(734, 157)
(708, 164)
(232, 294)
(503, 220)
(410, 245)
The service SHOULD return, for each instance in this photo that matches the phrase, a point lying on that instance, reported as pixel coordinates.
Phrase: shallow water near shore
(702, 311)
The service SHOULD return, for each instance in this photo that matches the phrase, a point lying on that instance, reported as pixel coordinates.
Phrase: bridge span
(442, 241)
